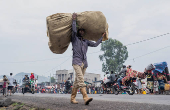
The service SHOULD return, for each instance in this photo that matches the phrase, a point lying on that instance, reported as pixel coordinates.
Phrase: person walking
(16, 87)
(150, 80)
(160, 77)
(139, 85)
(11, 83)
(5, 85)
(80, 46)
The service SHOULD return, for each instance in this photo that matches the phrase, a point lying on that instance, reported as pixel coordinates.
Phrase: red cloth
(32, 76)
(4, 85)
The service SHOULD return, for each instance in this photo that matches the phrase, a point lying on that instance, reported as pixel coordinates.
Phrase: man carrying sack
(79, 63)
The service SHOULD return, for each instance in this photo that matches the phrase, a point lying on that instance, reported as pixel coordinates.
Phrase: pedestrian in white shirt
(11, 85)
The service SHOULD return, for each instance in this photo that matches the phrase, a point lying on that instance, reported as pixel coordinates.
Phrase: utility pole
(50, 79)
(73, 75)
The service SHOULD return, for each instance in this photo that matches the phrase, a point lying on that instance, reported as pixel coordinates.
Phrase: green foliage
(14, 104)
(115, 54)
(52, 80)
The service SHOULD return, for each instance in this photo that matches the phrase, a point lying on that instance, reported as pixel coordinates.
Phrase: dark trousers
(151, 90)
(4, 91)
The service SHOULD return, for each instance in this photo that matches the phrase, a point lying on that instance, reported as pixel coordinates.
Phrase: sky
(24, 42)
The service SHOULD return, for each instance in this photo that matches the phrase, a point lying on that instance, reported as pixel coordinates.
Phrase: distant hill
(21, 75)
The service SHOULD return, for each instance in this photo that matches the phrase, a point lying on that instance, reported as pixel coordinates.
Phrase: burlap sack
(59, 28)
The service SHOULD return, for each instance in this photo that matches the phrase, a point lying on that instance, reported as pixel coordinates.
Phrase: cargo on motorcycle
(125, 82)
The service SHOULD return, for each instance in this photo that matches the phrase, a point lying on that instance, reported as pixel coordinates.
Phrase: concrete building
(62, 75)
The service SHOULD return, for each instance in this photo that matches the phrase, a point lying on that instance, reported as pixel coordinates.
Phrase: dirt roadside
(21, 106)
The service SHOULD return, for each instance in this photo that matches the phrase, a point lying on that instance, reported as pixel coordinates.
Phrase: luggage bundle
(150, 67)
(59, 28)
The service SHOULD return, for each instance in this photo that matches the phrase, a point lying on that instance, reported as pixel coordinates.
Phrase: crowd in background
(156, 83)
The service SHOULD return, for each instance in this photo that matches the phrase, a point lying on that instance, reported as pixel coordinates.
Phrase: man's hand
(103, 34)
(74, 16)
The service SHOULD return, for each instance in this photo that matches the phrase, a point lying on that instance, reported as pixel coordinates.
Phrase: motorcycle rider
(32, 76)
(112, 77)
(26, 78)
(122, 74)
(68, 84)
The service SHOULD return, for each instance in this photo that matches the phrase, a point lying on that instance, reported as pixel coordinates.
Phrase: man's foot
(88, 100)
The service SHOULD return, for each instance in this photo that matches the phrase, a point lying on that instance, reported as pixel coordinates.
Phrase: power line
(149, 53)
(36, 60)
(87, 53)
(133, 44)
(45, 59)
(66, 60)
(58, 65)
(147, 39)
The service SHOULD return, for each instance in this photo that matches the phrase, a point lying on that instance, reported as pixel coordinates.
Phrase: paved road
(100, 102)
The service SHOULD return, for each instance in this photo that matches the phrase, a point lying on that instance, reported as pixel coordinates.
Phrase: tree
(115, 54)
(52, 80)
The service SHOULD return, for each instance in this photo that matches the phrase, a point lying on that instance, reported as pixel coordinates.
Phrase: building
(62, 76)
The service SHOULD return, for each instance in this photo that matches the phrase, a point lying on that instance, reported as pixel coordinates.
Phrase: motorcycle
(108, 85)
(68, 87)
(28, 86)
(129, 87)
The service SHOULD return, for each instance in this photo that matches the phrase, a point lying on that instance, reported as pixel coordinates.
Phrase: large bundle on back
(59, 28)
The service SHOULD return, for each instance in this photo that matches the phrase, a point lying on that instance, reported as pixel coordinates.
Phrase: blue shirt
(80, 47)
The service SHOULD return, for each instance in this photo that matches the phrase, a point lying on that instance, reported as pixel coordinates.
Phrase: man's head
(111, 72)
(4, 78)
(81, 32)
(10, 74)
(124, 66)
(129, 66)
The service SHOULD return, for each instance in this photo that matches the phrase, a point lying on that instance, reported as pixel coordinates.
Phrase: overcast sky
(23, 33)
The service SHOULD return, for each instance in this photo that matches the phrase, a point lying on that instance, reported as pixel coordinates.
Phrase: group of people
(27, 78)
(8, 84)
(124, 75)
(155, 82)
